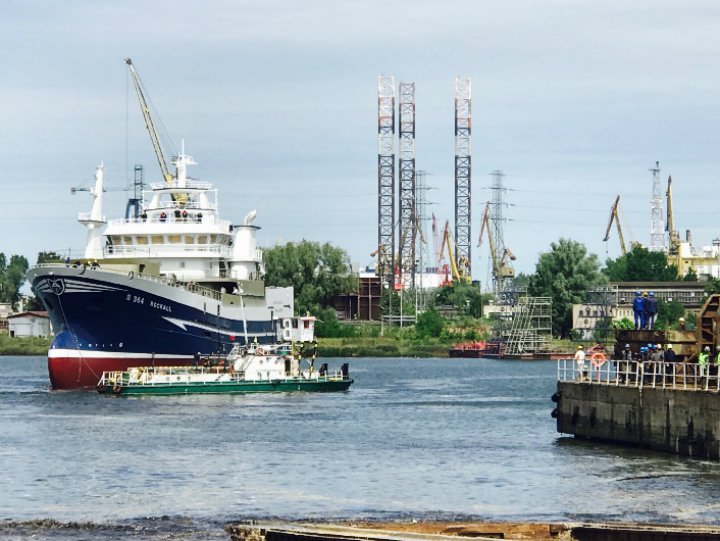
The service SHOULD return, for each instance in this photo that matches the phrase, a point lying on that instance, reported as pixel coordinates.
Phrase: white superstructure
(179, 229)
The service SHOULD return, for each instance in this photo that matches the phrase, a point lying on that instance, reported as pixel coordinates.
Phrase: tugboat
(247, 369)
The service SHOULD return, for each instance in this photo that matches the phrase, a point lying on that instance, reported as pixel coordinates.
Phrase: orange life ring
(597, 359)
(260, 351)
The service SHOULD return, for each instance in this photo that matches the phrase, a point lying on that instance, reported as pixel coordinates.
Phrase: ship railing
(189, 184)
(189, 286)
(167, 250)
(642, 374)
(170, 218)
(204, 291)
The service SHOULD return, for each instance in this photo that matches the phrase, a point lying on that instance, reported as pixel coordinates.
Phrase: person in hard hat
(703, 360)
(681, 324)
(639, 310)
(651, 308)
(626, 357)
(580, 360)
(670, 356)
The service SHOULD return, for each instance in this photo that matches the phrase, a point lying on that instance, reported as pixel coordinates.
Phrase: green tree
(668, 314)
(713, 286)
(316, 271)
(690, 276)
(48, 257)
(390, 302)
(640, 265)
(466, 298)
(564, 274)
(12, 276)
(429, 324)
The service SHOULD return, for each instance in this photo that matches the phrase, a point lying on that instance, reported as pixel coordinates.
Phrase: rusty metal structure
(463, 125)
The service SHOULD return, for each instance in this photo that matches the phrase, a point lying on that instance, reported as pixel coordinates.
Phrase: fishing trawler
(161, 286)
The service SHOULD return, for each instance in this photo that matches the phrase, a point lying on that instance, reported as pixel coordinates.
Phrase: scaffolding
(531, 326)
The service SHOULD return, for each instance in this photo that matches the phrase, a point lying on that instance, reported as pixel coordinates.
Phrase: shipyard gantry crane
(616, 218)
(501, 268)
(150, 125)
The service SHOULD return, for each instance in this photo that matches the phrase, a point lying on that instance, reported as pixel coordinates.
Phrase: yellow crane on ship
(150, 125)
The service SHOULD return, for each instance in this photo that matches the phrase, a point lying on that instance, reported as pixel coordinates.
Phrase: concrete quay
(673, 420)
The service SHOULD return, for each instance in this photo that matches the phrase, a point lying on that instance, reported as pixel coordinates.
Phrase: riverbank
(357, 346)
(381, 347)
(30, 345)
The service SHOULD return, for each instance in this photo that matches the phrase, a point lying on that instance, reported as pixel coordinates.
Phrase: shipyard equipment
(615, 218)
(154, 138)
(457, 266)
(406, 178)
(463, 125)
(386, 179)
(673, 235)
(501, 269)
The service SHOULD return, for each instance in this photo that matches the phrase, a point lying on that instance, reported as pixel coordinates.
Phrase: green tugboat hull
(234, 387)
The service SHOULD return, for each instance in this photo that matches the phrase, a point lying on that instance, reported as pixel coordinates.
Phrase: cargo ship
(162, 286)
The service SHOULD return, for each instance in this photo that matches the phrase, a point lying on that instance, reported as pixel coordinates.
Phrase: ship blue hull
(105, 324)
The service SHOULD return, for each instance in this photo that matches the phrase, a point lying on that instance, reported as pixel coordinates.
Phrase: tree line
(565, 272)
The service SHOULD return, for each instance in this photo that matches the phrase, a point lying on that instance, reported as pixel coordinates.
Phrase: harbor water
(412, 439)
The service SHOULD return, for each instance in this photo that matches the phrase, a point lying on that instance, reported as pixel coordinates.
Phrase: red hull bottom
(80, 372)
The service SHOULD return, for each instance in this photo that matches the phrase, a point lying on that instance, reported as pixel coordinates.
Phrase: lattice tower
(386, 178)
(407, 230)
(657, 226)
(132, 209)
(462, 175)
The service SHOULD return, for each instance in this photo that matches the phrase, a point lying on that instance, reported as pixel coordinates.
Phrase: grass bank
(360, 346)
(24, 345)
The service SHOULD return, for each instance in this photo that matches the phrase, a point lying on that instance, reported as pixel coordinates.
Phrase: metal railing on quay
(642, 374)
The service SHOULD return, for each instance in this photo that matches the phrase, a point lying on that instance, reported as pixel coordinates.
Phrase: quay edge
(485, 530)
(672, 407)
(684, 422)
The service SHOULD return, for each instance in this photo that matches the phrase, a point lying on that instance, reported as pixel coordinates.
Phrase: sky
(277, 101)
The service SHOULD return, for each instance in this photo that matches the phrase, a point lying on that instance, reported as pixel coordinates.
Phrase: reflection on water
(442, 438)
